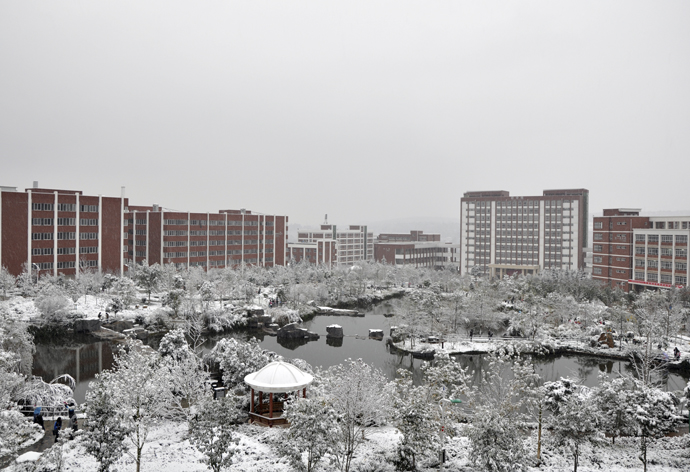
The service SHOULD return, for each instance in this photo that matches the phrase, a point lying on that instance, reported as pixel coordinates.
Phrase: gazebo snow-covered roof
(278, 377)
(275, 378)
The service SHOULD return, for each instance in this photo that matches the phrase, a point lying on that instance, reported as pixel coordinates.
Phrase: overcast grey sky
(363, 110)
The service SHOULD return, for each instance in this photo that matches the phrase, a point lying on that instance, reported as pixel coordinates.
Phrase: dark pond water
(83, 360)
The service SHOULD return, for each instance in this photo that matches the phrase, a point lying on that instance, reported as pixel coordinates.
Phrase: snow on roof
(334, 326)
(278, 377)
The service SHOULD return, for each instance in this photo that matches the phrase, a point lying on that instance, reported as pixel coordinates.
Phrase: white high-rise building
(502, 235)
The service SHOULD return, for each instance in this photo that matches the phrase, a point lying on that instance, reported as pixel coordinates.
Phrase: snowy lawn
(169, 451)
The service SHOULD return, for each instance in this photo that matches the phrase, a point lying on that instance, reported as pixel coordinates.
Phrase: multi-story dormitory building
(502, 235)
(633, 251)
(60, 231)
(228, 238)
(63, 231)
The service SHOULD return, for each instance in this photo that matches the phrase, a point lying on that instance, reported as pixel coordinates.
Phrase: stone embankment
(425, 350)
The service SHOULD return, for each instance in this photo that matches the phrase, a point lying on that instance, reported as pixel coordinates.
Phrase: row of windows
(64, 207)
(64, 221)
(665, 238)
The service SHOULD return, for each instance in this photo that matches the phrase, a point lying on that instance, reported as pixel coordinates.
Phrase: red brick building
(62, 231)
(632, 251)
(228, 238)
(416, 249)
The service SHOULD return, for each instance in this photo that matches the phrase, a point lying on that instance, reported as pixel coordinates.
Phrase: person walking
(471, 334)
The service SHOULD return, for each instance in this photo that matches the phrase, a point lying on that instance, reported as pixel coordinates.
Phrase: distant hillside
(448, 228)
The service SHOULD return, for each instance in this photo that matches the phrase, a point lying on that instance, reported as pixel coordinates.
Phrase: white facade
(661, 252)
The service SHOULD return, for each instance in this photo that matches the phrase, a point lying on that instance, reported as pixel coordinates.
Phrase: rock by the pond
(120, 326)
(292, 331)
(606, 338)
(137, 333)
(334, 331)
(86, 326)
(376, 334)
(424, 354)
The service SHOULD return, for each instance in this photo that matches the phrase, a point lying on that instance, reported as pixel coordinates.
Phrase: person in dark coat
(57, 427)
(74, 425)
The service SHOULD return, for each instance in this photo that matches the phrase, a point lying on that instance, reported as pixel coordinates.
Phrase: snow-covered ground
(169, 451)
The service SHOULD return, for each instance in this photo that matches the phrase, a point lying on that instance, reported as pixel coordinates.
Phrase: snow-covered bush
(211, 431)
(312, 433)
(237, 359)
(16, 431)
(360, 395)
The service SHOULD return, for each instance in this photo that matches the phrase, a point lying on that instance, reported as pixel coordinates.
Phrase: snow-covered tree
(360, 396)
(313, 431)
(574, 423)
(612, 399)
(148, 277)
(174, 299)
(53, 304)
(237, 359)
(104, 431)
(125, 290)
(137, 385)
(496, 401)
(7, 281)
(211, 431)
(416, 415)
(654, 413)
(185, 371)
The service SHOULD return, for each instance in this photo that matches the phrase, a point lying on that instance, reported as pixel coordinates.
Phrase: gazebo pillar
(261, 396)
(270, 405)
(304, 392)
(251, 408)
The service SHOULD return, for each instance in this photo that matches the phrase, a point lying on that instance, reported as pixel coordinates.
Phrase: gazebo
(278, 379)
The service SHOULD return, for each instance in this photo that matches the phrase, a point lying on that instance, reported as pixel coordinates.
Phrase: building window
(652, 251)
(666, 265)
(66, 221)
(88, 208)
(640, 238)
(597, 259)
(88, 250)
(66, 250)
(65, 265)
(66, 235)
(682, 266)
(681, 238)
(42, 207)
(639, 262)
(665, 278)
(639, 275)
(88, 221)
(598, 236)
(597, 248)
(653, 238)
(67, 207)
(596, 270)
(660, 225)
(681, 280)
(88, 235)
(653, 264)
(681, 253)
(652, 277)
(598, 225)
(666, 238)
(42, 236)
